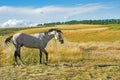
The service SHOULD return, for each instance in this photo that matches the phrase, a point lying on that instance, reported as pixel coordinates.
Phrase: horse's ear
(54, 29)
(60, 31)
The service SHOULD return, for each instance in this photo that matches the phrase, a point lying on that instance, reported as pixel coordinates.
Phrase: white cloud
(16, 23)
(45, 14)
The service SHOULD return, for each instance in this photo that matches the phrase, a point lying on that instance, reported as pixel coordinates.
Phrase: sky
(32, 12)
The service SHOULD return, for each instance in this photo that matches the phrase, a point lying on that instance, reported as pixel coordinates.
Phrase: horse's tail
(7, 40)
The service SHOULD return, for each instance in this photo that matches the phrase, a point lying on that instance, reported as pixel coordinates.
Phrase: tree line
(103, 22)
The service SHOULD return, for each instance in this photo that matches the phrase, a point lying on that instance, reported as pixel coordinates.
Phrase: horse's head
(57, 34)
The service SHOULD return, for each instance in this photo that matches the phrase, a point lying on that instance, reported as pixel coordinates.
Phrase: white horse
(39, 41)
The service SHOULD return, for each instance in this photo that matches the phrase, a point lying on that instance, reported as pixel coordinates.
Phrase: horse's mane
(50, 30)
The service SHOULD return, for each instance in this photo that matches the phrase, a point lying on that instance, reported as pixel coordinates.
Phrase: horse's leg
(18, 54)
(46, 53)
(40, 54)
(15, 56)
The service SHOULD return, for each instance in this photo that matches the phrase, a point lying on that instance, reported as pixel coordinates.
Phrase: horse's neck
(50, 36)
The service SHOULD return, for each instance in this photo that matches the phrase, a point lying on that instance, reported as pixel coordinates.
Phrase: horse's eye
(59, 35)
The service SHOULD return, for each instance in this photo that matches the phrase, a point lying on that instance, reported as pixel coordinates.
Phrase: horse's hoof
(40, 63)
(46, 63)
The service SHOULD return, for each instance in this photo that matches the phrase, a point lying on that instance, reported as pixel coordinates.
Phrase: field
(90, 52)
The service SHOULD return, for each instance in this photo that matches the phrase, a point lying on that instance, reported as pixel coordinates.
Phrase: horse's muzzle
(62, 41)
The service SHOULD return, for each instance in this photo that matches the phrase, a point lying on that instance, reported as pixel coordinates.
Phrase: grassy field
(90, 52)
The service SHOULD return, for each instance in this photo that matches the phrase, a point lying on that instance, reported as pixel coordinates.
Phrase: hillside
(90, 52)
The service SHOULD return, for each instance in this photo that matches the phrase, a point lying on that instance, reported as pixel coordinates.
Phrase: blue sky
(30, 12)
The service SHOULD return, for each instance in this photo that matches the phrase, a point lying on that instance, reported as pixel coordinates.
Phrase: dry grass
(60, 72)
(57, 53)
(62, 27)
(78, 26)
(92, 35)
(89, 53)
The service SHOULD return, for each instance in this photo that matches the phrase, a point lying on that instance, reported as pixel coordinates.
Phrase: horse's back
(25, 40)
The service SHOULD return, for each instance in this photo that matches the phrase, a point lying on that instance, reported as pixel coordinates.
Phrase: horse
(38, 41)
